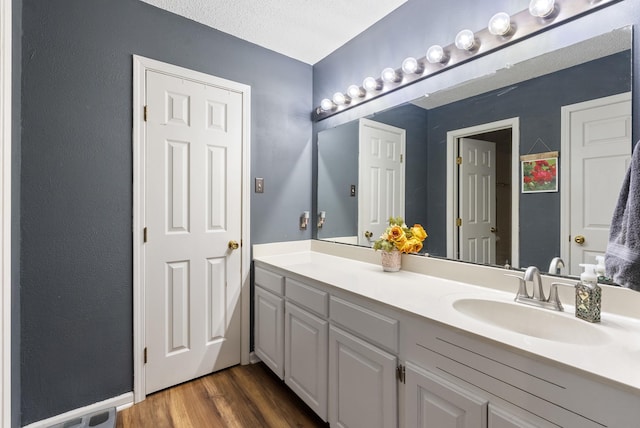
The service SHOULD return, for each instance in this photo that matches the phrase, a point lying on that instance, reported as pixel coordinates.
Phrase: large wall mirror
(519, 167)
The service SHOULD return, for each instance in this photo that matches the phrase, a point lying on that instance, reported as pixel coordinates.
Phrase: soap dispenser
(588, 295)
(601, 271)
(600, 268)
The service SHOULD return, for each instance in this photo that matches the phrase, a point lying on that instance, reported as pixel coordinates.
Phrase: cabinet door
(269, 330)
(362, 383)
(433, 402)
(502, 418)
(305, 350)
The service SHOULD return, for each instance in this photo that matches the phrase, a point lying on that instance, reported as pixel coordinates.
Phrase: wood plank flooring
(241, 396)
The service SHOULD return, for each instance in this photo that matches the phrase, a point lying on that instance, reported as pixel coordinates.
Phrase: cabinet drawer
(269, 281)
(370, 325)
(307, 296)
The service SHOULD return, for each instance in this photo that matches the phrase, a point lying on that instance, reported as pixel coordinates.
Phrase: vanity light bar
(522, 25)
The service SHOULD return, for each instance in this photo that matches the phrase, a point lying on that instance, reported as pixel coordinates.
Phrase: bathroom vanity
(438, 344)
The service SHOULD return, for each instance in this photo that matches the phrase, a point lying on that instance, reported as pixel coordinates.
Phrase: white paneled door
(193, 220)
(477, 202)
(599, 142)
(381, 178)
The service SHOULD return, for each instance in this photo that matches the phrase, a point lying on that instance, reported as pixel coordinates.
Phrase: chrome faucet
(537, 297)
(556, 264)
(533, 274)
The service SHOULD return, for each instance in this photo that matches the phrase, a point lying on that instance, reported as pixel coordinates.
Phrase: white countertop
(613, 359)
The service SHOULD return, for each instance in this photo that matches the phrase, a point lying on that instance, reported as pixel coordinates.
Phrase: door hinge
(401, 374)
(145, 113)
(145, 355)
(144, 235)
(401, 158)
(459, 222)
(459, 160)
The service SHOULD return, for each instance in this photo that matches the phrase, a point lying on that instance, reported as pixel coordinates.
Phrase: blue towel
(622, 259)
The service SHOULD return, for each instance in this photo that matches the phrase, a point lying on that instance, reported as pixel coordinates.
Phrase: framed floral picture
(539, 174)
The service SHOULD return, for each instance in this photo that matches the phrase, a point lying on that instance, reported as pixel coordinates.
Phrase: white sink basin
(532, 321)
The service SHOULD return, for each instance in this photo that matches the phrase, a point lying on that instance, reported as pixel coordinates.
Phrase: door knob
(493, 230)
(368, 234)
(579, 239)
(233, 245)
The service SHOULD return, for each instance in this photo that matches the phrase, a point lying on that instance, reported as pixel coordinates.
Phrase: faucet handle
(554, 299)
(522, 286)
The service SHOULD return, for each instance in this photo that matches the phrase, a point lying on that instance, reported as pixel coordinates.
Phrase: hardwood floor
(241, 396)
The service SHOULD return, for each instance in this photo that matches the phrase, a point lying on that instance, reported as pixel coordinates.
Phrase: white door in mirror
(599, 136)
(477, 201)
(381, 178)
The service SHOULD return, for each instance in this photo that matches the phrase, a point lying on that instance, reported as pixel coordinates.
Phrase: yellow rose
(396, 234)
(418, 232)
(412, 246)
(400, 242)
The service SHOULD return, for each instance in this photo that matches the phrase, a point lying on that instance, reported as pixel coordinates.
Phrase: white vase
(391, 260)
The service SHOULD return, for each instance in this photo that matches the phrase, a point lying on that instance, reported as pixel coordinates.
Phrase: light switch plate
(259, 185)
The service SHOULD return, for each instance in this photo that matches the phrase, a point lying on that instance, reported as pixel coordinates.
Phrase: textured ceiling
(307, 30)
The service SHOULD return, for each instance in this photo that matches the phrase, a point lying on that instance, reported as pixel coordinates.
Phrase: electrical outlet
(259, 185)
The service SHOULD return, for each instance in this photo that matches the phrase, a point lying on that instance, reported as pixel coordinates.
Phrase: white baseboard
(253, 358)
(121, 402)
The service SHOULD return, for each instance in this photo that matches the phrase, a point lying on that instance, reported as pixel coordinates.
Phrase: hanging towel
(622, 259)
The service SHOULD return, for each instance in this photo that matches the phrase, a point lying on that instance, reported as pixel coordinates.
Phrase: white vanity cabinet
(269, 319)
(338, 356)
(306, 344)
(348, 325)
(362, 367)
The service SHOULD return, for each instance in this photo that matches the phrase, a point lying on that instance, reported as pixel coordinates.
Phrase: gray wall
(76, 191)
(337, 171)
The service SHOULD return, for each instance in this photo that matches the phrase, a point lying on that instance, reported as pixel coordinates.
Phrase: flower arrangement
(401, 237)
(539, 175)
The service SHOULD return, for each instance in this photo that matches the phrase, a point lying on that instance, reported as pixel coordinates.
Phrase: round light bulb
(327, 105)
(500, 24)
(435, 54)
(340, 99)
(355, 91)
(389, 75)
(465, 40)
(370, 84)
(411, 65)
(541, 8)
